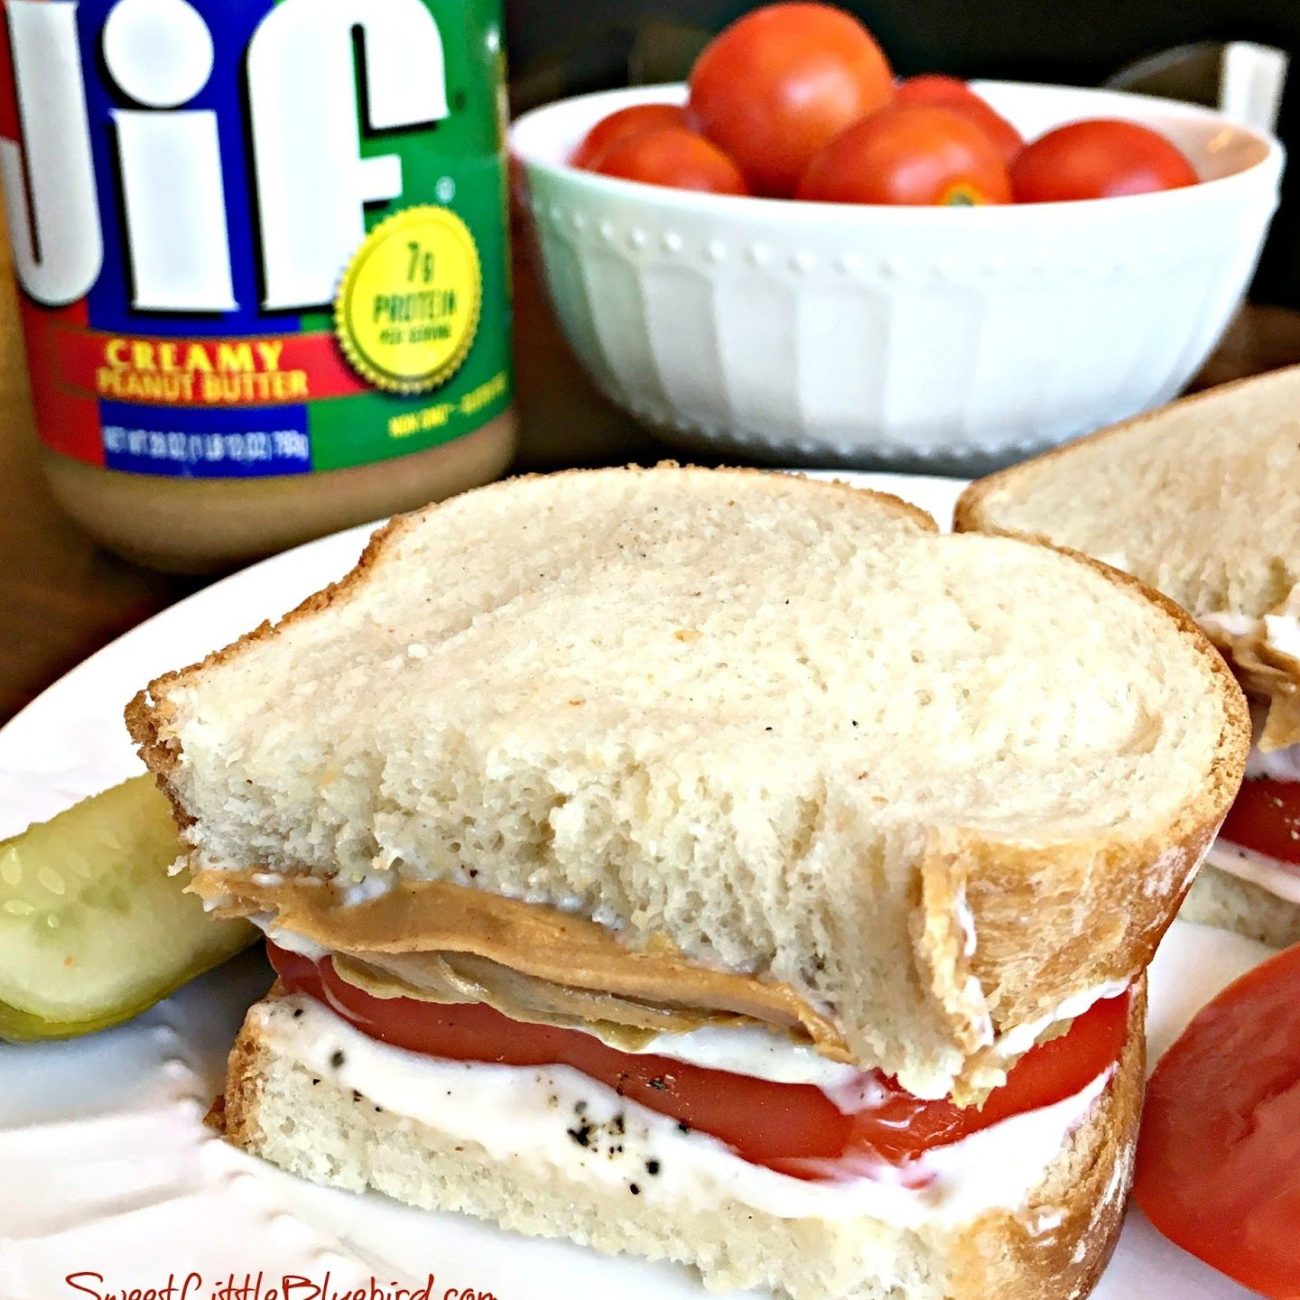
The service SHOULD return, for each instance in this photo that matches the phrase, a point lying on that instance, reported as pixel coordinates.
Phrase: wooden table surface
(62, 598)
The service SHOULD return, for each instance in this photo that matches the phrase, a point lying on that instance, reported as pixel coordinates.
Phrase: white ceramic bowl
(939, 338)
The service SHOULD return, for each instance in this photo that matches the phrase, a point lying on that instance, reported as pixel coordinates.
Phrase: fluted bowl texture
(944, 339)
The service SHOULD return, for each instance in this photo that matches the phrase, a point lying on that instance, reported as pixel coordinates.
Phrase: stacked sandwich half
(714, 866)
(1202, 501)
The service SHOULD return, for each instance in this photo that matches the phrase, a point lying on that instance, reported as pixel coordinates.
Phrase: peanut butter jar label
(256, 238)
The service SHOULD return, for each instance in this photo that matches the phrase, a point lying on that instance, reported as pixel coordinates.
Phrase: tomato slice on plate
(793, 1128)
(1266, 818)
(1218, 1165)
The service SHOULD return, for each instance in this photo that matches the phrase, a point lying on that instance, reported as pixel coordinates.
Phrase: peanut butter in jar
(261, 255)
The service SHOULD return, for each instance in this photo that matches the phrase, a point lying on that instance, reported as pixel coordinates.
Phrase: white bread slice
(937, 785)
(1200, 500)
(1224, 900)
(1052, 1248)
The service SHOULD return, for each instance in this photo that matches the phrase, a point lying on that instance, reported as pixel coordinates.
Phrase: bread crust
(1054, 1249)
(967, 515)
(1100, 906)
(1270, 678)
(1130, 890)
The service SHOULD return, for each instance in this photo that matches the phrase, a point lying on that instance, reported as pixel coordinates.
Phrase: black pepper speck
(652, 1167)
(634, 1189)
(337, 1059)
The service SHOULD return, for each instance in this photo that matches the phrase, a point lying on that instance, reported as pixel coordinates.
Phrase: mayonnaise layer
(761, 1053)
(1279, 878)
(556, 1119)
(751, 1050)
(1015, 1042)
(1274, 764)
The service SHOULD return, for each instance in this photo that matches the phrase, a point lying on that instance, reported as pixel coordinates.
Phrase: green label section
(458, 165)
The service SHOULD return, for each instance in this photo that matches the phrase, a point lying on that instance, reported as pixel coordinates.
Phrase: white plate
(106, 1168)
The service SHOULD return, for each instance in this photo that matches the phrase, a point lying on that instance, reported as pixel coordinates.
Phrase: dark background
(560, 47)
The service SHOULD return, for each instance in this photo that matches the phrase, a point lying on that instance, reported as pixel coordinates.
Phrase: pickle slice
(92, 928)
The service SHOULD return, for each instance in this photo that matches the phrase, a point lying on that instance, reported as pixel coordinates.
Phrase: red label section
(68, 422)
(266, 370)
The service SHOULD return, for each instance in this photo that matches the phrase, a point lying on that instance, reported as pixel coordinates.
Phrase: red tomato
(910, 153)
(673, 156)
(627, 121)
(1218, 1164)
(1266, 818)
(1098, 159)
(1008, 140)
(932, 88)
(953, 94)
(781, 83)
(784, 1126)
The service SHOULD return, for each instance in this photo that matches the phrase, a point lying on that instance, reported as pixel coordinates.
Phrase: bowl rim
(1268, 166)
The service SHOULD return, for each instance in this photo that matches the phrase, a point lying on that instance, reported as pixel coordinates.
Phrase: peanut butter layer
(446, 942)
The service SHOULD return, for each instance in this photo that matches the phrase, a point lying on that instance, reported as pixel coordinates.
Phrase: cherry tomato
(673, 156)
(1218, 1163)
(1266, 818)
(932, 88)
(782, 82)
(1098, 159)
(781, 1125)
(910, 153)
(627, 121)
(954, 94)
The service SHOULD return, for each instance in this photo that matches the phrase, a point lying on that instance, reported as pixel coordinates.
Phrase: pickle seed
(11, 870)
(81, 866)
(51, 880)
(18, 907)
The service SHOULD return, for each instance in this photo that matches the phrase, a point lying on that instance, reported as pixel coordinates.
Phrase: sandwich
(1201, 500)
(712, 866)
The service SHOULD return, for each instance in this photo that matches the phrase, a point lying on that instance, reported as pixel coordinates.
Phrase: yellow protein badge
(409, 303)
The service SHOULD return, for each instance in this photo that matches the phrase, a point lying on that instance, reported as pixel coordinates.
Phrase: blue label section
(193, 442)
(184, 442)
(232, 25)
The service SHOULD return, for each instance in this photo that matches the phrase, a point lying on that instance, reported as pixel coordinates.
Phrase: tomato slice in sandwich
(793, 1128)
(1218, 1165)
(1266, 818)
